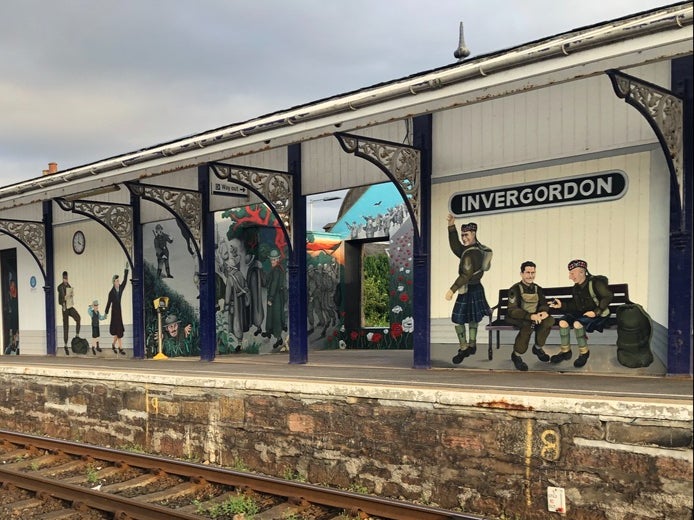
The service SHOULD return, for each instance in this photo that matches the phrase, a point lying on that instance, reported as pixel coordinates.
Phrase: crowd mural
(251, 281)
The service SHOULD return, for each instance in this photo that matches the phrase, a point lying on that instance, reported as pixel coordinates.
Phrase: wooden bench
(497, 317)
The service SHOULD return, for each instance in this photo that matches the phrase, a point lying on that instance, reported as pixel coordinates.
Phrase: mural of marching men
(324, 261)
(379, 212)
(382, 214)
(324, 296)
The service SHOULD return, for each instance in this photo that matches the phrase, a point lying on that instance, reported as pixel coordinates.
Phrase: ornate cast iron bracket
(273, 187)
(31, 235)
(664, 112)
(117, 218)
(401, 163)
(185, 205)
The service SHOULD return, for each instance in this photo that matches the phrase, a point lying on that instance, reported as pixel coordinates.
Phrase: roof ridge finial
(462, 51)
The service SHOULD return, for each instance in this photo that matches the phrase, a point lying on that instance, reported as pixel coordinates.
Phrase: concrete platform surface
(392, 368)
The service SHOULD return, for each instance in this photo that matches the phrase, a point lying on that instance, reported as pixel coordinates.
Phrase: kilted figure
(471, 304)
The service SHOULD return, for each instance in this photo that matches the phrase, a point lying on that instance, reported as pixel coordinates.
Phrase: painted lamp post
(160, 304)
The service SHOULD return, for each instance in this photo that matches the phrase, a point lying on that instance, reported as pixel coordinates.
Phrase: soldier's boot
(463, 350)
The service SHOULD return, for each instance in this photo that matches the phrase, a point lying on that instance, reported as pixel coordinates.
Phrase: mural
(379, 213)
(10, 301)
(251, 281)
(170, 270)
(398, 334)
(325, 288)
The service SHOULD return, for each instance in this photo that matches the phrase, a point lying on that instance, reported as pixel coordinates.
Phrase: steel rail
(82, 498)
(371, 505)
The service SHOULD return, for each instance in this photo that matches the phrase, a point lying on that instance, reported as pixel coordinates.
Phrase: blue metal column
(680, 283)
(422, 133)
(208, 326)
(50, 278)
(298, 339)
(137, 282)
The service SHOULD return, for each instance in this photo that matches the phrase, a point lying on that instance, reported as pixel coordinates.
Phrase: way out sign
(229, 189)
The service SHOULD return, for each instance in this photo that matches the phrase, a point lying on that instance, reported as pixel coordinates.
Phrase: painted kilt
(471, 306)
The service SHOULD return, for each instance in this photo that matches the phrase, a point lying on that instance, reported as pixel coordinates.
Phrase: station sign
(596, 187)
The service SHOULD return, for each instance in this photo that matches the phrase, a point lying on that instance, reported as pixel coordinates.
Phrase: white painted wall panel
(275, 159)
(326, 167)
(539, 147)
(30, 212)
(553, 122)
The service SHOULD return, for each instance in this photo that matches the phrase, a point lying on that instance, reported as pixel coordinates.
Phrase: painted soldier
(588, 310)
(471, 303)
(528, 310)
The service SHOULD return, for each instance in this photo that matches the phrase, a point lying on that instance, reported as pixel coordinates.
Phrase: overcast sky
(83, 80)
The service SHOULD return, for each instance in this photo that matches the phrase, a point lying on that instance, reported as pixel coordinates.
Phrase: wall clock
(78, 242)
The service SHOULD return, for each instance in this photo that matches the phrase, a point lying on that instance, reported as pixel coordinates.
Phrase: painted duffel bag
(634, 331)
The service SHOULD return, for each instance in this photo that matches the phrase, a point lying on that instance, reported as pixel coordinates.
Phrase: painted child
(96, 316)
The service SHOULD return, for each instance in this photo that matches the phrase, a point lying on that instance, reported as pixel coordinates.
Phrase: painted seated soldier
(588, 310)
(528, 310)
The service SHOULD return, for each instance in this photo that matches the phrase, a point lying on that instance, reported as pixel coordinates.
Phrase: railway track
(51, 479)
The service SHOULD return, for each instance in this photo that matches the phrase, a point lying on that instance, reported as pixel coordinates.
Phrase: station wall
(490, 454)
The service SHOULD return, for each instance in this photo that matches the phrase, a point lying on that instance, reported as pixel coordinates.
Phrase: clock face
(78, 242)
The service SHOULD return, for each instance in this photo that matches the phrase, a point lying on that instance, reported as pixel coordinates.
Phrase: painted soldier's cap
(64, 274)
(578, 263)
(469, 227)
(95, 303)
(274, 254)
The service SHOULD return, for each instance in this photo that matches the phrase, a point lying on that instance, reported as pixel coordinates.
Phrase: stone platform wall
(493, 456)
